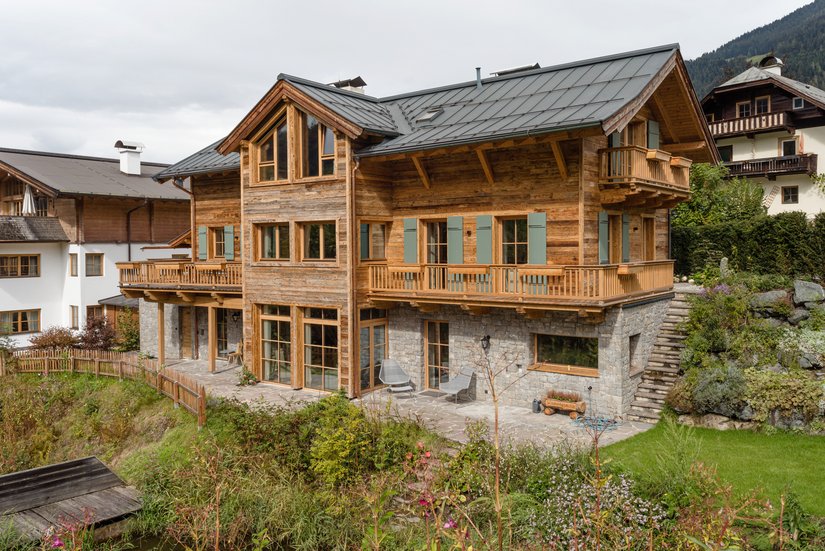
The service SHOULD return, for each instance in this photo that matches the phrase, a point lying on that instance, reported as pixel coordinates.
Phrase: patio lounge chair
(394, 377)
(460, 382)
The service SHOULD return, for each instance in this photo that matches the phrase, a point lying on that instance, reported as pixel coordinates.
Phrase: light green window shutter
(455, 240)
(202, 247)
(537, 238)
(604, 238)
(410, 241)
(625, 238)
(365, 241)
(652, 135)
(484, 239)
(229, 242)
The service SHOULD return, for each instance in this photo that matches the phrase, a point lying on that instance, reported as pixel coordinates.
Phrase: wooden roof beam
(686, 146)
(422, 172)
(475, 310)
(663, 115)
(424, 307)
(485, 165)
(560, 162)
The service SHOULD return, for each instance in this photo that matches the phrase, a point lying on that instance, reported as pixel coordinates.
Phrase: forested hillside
(798, 39)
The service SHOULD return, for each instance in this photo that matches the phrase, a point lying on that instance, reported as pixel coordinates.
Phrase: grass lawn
(747, 460)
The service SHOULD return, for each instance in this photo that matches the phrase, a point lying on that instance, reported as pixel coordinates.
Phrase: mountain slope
(798, 39)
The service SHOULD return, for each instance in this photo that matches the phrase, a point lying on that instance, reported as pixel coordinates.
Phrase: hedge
(786, 243)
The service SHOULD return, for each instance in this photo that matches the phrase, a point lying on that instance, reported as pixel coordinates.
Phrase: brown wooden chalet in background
(347, 228)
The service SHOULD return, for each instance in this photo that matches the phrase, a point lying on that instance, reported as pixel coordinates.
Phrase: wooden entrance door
(437, 344)
(185, 332)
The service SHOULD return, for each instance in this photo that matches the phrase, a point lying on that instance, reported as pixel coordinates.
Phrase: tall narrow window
(94, 264)
(73, 264)
(317, 148)
(218, 243)
(436, 242)
(274, 244)
(373, 241)
(319, 241)
(75, 315)
(372, 345)
(438, 353)
(276, 344)
(514, 241)
(272, 154)
(648, 238)
(321, 348)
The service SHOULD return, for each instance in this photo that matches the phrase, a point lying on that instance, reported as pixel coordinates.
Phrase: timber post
(201, 406)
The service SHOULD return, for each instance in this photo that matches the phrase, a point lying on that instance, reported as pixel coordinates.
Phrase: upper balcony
(174, 275)
(637, 176)
(766, 122)
(525, 286)
(771, 167)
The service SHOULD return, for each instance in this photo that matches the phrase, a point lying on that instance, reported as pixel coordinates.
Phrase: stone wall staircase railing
(663, 366)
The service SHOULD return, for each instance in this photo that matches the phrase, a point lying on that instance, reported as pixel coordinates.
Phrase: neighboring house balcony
(633, 176)
(529, 287)
(771, 167)
(766, 122)
(177, 281)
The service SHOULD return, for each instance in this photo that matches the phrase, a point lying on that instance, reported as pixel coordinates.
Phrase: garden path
(438, 413)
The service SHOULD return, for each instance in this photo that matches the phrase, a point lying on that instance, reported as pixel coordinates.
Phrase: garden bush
(54, 337)
(98, 334)
(785, 393)
(719, 390)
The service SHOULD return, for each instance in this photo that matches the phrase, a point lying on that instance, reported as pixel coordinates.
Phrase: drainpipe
(129, 228)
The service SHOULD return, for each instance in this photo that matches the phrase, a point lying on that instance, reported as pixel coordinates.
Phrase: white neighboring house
(771, 129)
(65, 220)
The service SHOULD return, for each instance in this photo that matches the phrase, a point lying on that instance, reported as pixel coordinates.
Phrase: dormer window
(272, 154)
(317, 148)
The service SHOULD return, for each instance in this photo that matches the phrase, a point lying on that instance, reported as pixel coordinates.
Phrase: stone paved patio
(439, 413)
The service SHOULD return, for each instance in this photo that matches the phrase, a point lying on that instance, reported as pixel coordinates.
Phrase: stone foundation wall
(234, 331)
(149, 329)
(511, 347)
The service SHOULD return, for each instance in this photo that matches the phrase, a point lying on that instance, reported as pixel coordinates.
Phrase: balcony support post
(212, 334)
(161, 335)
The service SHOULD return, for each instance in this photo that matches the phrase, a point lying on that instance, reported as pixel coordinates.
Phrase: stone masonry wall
(149, 329)
(511, 344)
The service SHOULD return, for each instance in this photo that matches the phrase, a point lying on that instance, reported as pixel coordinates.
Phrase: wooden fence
(183, 390)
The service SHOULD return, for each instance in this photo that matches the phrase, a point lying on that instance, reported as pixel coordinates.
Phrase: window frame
(361, 253)
(566, 369)
(281, 119)
(783, 141)
(73, 264)
(756, 101)
(260, 230)
(17, 331)
(501, 243)
(305, 320)
(215, 235)
(19, 265)
(728, 148)
(439, 245)
(74, 316)
(304, 236)
(795, 189)
(323, 133)
(278, 318)
(86, 265)
(739, 111)
(794, 105)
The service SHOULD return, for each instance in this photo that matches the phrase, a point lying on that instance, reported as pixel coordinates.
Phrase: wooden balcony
(766, 122)
(185, 276)
(539, 287)
(636, 176)
(771, 167)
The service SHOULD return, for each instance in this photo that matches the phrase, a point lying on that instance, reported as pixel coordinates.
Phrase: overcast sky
(75, 76)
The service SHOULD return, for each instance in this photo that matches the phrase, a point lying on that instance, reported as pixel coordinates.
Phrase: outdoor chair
(458, 383)
(394, 377)
(236, 356)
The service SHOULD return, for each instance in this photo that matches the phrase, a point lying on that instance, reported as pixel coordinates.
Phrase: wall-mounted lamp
(236, 316)
(485, 343)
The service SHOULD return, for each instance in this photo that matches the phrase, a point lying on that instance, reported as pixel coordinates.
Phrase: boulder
(809, 361)
(764, 301)
(724, 270)
(807, 291)
(797, 315)
(713, 421)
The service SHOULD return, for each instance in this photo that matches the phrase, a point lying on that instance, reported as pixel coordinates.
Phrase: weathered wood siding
(216, 202)
(104, 219)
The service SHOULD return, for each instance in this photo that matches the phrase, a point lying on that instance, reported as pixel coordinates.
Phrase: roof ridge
(327, 87)
(72, 156)
(612, 57)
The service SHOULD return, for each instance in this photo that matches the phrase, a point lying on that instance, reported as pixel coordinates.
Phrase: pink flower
(450, 524)
(420, 445)
(57, 543)
(426, 454)
(423, 502)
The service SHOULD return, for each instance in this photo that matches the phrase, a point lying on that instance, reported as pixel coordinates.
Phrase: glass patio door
(372, 351)
(437, 353)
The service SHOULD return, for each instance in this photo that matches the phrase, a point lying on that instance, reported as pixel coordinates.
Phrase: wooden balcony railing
(772, 166)
(546, 284)
(181, 275)
(634, 164)
(749, 125)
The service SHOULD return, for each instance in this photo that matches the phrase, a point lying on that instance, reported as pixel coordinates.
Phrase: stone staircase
(663, 365)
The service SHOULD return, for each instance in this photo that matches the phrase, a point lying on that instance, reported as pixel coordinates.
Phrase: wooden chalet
(531, 206)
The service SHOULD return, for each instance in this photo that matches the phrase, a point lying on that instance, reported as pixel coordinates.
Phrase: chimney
(772, 64)
(355, 84)
(129, 156)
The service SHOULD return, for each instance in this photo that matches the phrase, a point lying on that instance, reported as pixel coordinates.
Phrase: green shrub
(54, 337)
(339, 450)
(129, 328)
(793, 391)
(719, 390)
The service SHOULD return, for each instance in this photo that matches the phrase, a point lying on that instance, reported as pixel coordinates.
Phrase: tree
(97, 334)
(715, 199)
(129, 330)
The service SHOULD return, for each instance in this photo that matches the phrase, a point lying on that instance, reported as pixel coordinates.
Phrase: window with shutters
(790, 195)
(436, 242)
(372, 243)
(614, 238)
(514, 241)
(217, 247)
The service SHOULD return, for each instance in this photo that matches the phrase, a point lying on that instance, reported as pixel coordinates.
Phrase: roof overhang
(769, 79)
(30, 180)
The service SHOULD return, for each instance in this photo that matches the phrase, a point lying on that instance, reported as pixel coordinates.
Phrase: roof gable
(754, 76)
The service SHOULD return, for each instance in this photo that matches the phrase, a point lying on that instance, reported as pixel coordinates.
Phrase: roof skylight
(429, 114)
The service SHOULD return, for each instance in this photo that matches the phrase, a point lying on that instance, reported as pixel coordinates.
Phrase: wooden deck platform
(65, 493)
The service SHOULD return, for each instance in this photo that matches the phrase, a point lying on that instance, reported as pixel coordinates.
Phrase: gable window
(272, 154)
(319, 241)
(574, 355)
(790, 195)
(19, 321)
(763, 105)
(274, 242)
(94, 264)
(798, 103)
(20, 265)
(73, 264)
(373, 241)
(788, 147)
(317, 148)
(514, 241)
(743, 109)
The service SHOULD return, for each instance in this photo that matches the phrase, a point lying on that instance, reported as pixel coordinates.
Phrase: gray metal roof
(755, 74)
(88, 175)
(120, 301)
(18, 229)
(204, 161)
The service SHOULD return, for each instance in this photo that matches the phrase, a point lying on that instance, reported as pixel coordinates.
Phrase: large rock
(763, 301)
(798, 314)
(717, 422)
(807, 291)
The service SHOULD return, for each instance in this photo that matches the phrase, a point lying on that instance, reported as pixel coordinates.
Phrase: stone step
(652, 397)
(663, 360)
(661, 369)
(643, 414)
(653, 386)
(647, 405)
(662, 342)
